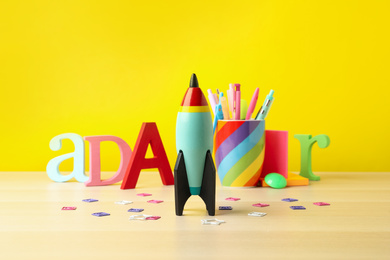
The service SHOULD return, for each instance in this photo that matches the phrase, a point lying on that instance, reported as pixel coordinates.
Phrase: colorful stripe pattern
(194, 109)
(239, 152)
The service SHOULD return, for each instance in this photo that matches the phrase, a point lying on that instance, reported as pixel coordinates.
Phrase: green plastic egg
(275, 180)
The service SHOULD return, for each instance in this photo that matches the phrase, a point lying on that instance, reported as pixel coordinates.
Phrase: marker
(237, 103)
(252, 104)
(237, 113)
(243, 109)
(194, 168)
(224, 104)
(266, 106)
(230, 101)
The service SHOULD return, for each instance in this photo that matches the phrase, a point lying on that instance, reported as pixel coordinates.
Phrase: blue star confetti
(289, 200)
(297, 207)
(135, 210)
(100, 214)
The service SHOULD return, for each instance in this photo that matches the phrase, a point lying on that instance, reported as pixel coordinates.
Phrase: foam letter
(148, 135)
(94, 159)
(52, 167)
(306, 144)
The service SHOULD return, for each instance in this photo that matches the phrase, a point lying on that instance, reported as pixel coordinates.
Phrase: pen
(266, 106)
(218, 116)
(216, 98)
(252, 104)
(212, 100)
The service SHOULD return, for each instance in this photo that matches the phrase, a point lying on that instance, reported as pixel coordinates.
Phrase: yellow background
(104, 67)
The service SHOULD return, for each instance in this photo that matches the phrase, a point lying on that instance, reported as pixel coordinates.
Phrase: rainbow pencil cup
(239, 151)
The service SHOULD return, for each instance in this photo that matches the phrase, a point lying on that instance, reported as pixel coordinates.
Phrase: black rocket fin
(182, 189)
(207, 191)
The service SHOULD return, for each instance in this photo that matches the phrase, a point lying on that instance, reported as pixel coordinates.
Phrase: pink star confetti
(69, 208)
(153, 218)
(232, 199)
(321, 203)
(260, 205)
(144, 194)
(155, 201)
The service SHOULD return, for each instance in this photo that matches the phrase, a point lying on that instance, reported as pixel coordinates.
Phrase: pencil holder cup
(239, 151)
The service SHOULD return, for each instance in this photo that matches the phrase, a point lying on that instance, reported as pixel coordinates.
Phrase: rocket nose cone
(194, 81)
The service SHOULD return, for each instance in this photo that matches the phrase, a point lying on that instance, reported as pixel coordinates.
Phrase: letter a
(94, 159)
(148, 135)
(78, 157)
(306, 144)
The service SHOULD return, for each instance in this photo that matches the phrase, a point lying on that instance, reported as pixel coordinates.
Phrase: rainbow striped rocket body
(194, 135)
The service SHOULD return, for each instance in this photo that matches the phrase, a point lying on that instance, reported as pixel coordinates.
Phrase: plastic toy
(292, 180)
(94, 159)
(276, 154)
(148, 135)
(275, 180)
(306, 144)
(52, 167)
(194, 169)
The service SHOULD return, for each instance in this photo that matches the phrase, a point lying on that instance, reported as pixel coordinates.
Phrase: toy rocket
(194, 170)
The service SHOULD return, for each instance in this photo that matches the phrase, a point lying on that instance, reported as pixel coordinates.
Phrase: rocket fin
(207, 192)
(182, 189)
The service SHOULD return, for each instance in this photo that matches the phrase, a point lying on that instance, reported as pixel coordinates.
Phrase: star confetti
(144, 194)
(225, 208)
(212, 221)
(153, 218)
(100, 214)
(140, 217)
(321, 203)
(155, 201)
(69, 208)
(135, 210)
(257, 214)
(123, 202)
(289, 200)
(297, 207)
(232, 199)
(90, 200)
(260, 205)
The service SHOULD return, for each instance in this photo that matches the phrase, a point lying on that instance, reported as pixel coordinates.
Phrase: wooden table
(355, 226)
